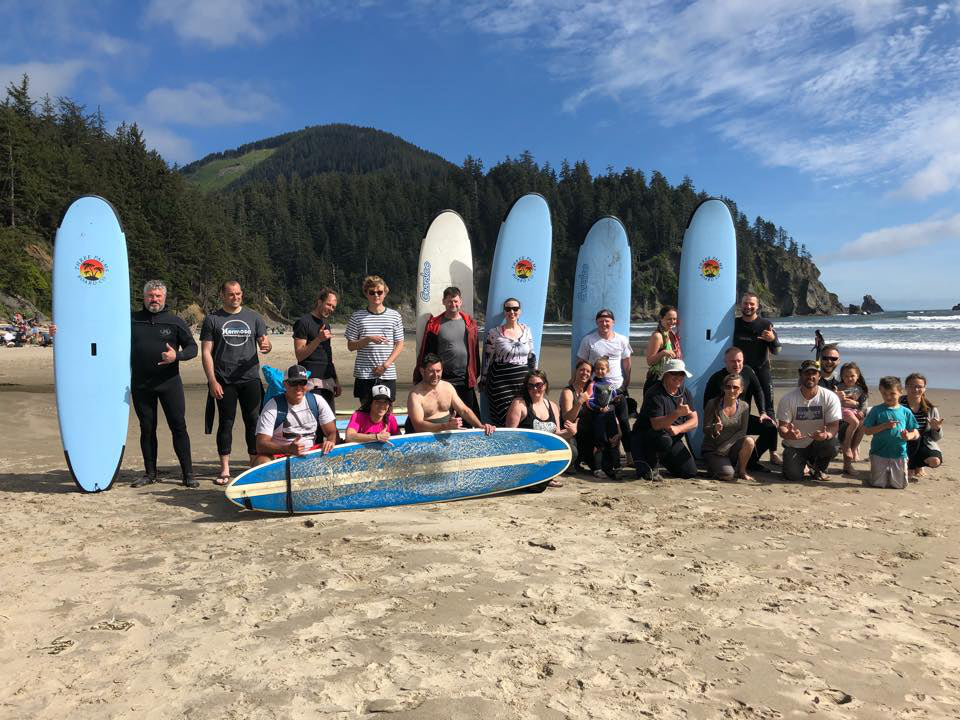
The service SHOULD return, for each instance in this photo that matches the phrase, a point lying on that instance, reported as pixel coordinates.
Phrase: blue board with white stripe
(708, 296)
(411, 469)
(91, 354)
(602, 281)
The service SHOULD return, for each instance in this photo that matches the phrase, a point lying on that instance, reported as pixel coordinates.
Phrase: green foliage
(327, 205)
(218, 173)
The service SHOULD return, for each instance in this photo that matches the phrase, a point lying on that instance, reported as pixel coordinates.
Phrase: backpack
(283, 408)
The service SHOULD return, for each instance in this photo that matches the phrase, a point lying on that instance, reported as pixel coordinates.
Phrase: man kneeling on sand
(433, 404)
(290, 424)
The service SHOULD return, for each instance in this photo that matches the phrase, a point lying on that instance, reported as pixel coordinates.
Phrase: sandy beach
(600, 599)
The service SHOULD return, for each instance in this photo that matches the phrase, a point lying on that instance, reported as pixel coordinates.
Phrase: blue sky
(838, 119)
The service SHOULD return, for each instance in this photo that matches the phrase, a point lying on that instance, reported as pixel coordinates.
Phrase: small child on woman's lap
(853, 394)
(605, 430)
(892, 425)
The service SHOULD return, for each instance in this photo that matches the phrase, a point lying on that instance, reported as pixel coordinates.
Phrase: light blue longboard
(602, 281)
(91, 353)
(412, 469)
(708, 295)
(521, 268)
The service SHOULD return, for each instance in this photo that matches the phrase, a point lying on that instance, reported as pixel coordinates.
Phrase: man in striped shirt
(376, 335)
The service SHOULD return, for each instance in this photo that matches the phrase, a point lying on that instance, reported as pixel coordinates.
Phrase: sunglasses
(297, 383)
(731, 387)
(374, 292)
(535, 386)
(512, 308)
(829, 358)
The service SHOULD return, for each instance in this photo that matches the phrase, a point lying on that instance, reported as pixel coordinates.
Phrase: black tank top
(532, 422)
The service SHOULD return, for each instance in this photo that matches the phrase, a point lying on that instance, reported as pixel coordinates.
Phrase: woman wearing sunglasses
(533, 410)
(725, 440)
(507, 357)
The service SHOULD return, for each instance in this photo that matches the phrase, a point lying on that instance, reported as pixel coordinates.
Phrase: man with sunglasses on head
(292, 423)
(376, 335)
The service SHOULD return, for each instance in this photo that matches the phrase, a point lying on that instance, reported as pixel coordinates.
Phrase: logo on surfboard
(710, 268)
(91, 269)
(425, 292)
(523, 268)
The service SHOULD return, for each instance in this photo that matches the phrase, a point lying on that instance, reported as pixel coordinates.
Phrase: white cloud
(897, 240)
(221, 23)
(45, 77)
(842, 89)
(172, 147)
(203, 104)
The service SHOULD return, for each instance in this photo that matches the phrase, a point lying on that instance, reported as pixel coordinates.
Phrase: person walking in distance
(755, 336)
(229, 341)
(375, 334)
(311, 345)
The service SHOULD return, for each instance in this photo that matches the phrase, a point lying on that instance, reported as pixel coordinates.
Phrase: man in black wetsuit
(311, 345)
(755, 336)
(159, 340)
(763, 426)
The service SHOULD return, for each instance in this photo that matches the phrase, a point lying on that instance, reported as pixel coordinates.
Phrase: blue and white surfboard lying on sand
(708, 295)
(411, 469)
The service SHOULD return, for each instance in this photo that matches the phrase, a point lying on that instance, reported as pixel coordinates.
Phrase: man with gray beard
(159, 340)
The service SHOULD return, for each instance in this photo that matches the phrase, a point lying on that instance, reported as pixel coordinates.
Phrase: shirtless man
(433, 404)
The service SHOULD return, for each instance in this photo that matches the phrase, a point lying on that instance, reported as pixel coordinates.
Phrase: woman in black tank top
(533, 410)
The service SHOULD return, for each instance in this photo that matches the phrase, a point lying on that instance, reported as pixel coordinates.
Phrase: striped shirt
(364, 323)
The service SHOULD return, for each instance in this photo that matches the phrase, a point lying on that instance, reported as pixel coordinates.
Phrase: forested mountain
(329, 204)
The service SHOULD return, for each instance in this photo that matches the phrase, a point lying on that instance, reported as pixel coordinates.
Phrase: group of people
(25, 332)
(455, 371)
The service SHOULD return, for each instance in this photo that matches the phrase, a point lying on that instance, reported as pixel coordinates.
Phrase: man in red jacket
(453, 336)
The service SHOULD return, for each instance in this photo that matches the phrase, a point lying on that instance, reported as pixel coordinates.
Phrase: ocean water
(890, 343)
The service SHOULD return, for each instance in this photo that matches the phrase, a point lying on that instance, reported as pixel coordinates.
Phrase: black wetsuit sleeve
(753, 391)
(188, 346)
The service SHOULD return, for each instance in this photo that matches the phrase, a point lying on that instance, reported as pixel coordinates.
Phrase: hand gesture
(295, 448)
(167, 356)
(792, 433)
(683, 409)
(717, 425)
(935, 423)
(768, 335)
(264, 344)
(216, 389)
(325, 335)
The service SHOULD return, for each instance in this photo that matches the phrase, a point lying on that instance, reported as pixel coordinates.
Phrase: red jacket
(431, 336)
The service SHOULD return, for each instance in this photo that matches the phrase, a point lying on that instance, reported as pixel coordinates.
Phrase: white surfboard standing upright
(446, 260)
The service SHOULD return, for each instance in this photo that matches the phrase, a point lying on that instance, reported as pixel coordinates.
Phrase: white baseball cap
(674, 365)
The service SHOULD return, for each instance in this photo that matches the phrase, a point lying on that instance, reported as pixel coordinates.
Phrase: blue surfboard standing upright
(521, 269)
(91, 353)
(708, 296)
(602, 281)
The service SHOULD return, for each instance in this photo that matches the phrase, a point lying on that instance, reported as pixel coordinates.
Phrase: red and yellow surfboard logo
(523, 268)
(710, 268)
(91, 269)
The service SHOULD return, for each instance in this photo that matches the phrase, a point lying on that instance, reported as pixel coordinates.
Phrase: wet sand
(685, 599)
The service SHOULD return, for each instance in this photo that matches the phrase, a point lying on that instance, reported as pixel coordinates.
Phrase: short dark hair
(890, 382)
(227, 283)
(830, 346)
(430, 359)
(731, 350)
(325, 293)
(452, 291)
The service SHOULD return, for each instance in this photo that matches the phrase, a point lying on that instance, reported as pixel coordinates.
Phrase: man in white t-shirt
(606, 342)
(289, 423)
(809, 418)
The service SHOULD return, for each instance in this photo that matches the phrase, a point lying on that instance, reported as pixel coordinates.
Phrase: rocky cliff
(792, 287)
(870, 305)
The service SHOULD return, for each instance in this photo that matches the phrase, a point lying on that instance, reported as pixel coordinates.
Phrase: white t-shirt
(299, 424)
(808, 416)
(616, 348)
